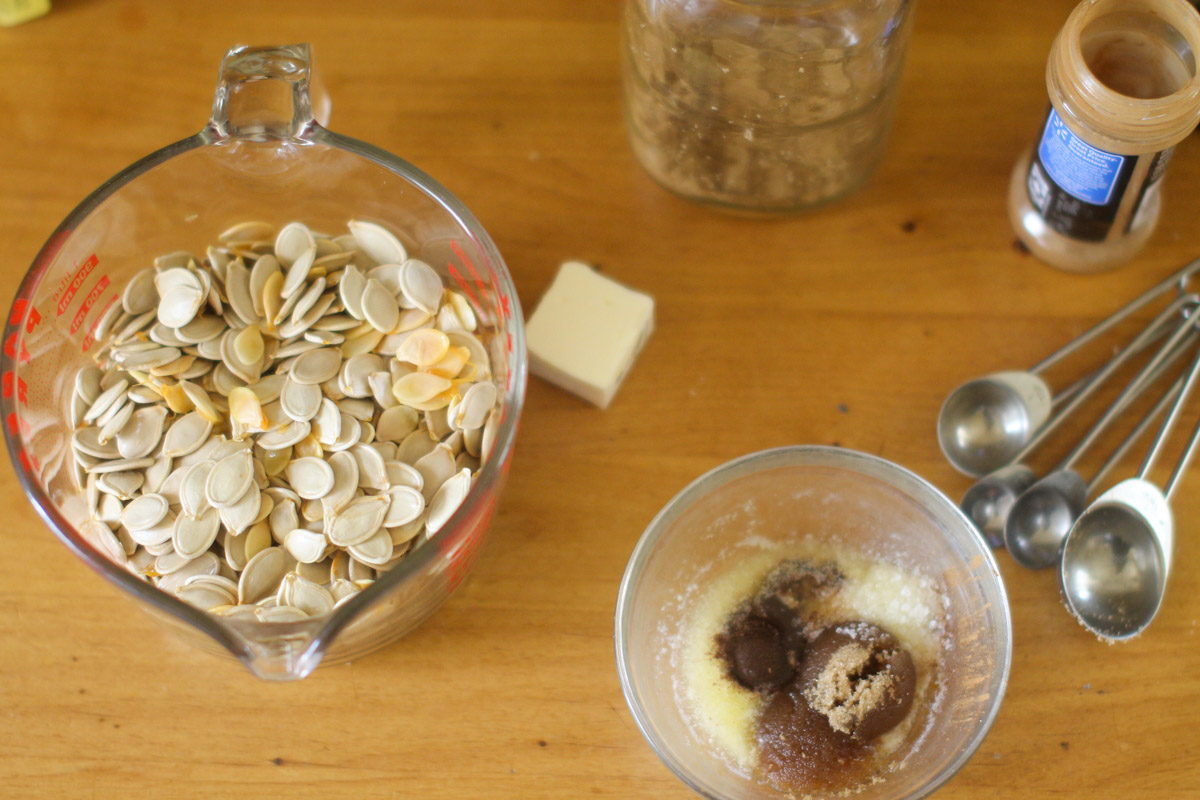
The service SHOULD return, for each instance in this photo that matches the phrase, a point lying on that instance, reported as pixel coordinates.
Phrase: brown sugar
(860, 679)
(829, 687)
(799, 750)
(762, 644)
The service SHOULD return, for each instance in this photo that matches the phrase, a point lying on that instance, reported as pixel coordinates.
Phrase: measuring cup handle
(266, 93)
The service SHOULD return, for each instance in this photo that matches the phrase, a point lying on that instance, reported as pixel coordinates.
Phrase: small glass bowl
(832, 494)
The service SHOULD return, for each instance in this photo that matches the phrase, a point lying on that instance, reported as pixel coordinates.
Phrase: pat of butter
(14, 12)
(586, 332)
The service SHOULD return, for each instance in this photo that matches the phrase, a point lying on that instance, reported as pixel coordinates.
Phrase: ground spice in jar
(1124, 90)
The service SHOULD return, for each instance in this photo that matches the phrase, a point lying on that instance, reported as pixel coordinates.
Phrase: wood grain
(864, 316)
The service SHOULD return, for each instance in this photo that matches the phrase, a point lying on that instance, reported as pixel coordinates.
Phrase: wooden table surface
(859, 319)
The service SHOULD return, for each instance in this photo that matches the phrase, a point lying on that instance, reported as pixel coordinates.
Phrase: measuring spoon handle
(1193, 376)
(1066, 394)
(1152, 330)
(1174, 347)
(1179, 280)
(1136, 433)
(1177, 473)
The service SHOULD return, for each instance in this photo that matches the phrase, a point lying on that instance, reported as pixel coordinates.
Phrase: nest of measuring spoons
(1033, 518)
(989, 501)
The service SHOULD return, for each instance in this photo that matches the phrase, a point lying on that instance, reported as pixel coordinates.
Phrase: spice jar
(1124, 90)
(762, 105)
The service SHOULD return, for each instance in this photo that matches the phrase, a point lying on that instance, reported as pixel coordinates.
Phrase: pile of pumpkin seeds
(269, 428)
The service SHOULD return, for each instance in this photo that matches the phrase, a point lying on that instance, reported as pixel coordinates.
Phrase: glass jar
(762, 105)
(1124, 90)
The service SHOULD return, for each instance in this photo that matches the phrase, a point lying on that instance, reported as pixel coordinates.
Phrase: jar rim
(1123, 122)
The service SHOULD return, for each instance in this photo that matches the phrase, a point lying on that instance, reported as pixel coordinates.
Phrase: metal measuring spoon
(1041, 517)
(984, 423)
(988, 502)
(1116, 559)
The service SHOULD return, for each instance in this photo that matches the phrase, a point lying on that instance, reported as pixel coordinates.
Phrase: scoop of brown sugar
(858, 677)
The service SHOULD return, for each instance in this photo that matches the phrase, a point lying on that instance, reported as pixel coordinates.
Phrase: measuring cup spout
(282, 656)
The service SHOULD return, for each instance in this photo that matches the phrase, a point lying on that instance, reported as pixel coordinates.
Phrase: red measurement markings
(13, 384)
(25, 318)
(16, 426)
(466, 287)
(72, 289)
(463, 283)
(14, 346)
(88, 302)
(19, 426)
(505, 303)
(90, 337)
(471, 267)
(18, 312)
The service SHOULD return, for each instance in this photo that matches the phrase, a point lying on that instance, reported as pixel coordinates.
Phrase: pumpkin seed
(262, 575)
(235, 407)
(194, 535)
(293, 241)
(144, 512)
(229, 479)
(380, 244)
(421, 285)
(447, 499)
(359, 521)
(316, 366)
(405, 504)
(305, 546)
(311, 477)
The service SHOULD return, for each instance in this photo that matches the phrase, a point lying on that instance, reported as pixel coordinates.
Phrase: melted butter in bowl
(796, 732)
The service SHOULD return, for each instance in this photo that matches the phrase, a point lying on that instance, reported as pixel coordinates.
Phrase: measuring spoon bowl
(1042, 516)
(988, 503)
(985, 422)
(992, 421)
(1116, 559)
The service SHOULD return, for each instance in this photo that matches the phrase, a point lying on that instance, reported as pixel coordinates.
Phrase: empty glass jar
(762, 105)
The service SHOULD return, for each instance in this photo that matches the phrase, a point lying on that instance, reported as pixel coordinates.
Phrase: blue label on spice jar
(1080, 190)
(1086, 173)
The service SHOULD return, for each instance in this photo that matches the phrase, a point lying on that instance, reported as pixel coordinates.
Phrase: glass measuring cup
(261, 156)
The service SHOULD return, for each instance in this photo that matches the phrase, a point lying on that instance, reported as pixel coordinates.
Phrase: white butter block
(586, 332)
